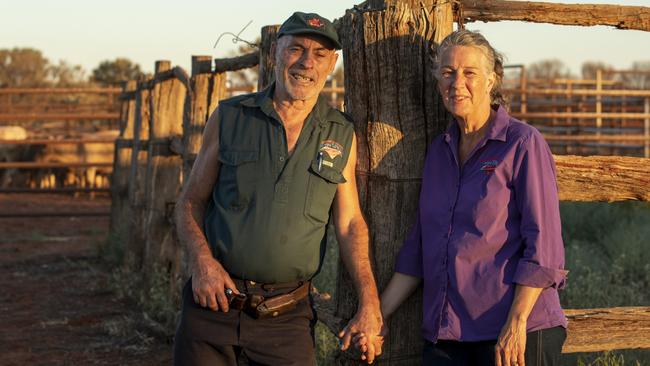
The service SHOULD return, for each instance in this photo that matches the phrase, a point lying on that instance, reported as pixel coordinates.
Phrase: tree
(548, 69)
(66, 75)
(23, 67)
(589, 69)
(116, 72)
(639, 80)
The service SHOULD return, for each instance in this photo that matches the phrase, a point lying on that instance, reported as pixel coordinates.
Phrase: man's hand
(511, 344)
(368, 322)
(209, 282)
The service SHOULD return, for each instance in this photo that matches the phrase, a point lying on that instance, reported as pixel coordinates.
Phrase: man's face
(302, 64)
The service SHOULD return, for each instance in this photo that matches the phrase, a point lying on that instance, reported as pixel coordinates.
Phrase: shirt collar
(264, 101)
(498, 129)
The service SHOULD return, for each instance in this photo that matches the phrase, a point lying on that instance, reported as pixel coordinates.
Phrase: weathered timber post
(122, 166)
(646, 127)
(164, 168)
(266, 75)
(207, 89)
(392, 96)
(137, 175)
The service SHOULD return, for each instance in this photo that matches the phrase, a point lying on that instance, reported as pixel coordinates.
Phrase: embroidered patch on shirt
(331, 148)
(489, 166)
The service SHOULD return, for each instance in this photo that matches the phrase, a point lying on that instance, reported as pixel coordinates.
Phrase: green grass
(325, 281)
(608, 257)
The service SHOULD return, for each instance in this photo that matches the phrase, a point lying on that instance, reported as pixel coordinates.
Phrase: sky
(86, 32)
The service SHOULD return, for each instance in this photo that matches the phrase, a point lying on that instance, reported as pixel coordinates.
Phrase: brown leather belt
(260, 307)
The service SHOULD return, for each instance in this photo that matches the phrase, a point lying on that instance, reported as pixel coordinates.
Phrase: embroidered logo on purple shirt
(488, 166)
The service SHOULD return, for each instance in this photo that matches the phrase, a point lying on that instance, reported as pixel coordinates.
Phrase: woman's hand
(511, 344)
(360, 341)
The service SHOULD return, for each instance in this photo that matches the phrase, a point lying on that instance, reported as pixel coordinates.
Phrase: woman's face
(465, 82)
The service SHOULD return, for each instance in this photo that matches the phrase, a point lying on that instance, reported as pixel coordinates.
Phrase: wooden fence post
(121, 166)
(164, 169)
(646, 127)
(137, 174)
(266, 75)
(392, 96)
(208, 89)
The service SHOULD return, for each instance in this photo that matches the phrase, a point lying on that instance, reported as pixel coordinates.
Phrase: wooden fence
(164, 116)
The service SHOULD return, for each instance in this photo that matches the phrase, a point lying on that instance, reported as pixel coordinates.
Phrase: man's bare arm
(352, 234)
(209, 279)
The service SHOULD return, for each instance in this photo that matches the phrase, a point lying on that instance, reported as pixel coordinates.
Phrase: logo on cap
(315, 22)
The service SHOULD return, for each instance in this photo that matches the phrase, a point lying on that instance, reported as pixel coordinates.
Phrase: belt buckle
(236, 301)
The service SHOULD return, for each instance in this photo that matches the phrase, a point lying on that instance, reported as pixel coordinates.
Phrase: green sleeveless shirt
(269, 210)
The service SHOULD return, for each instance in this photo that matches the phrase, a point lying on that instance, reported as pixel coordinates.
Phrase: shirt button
(281, 158)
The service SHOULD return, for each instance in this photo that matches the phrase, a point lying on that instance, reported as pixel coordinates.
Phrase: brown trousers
(215, 338)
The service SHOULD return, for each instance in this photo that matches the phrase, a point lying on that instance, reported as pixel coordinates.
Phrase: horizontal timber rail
(594, 330)
(57, 142)
(595, 138)
(14, 117)
(595, 178)
(570, 92)
(602, 178)
(580, 115)
(53, 214)
(60, 90)
(39, 165)
(621, 17)
(55, 190)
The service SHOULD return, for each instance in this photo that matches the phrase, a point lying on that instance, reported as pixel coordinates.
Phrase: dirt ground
(56, 307)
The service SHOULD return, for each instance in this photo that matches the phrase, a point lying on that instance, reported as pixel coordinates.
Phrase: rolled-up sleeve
(409, 259)
(542, 261)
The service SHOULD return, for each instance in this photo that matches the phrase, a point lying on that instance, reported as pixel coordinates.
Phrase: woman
(487, 240)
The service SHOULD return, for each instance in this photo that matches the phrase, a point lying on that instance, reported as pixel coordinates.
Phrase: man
(253, 214)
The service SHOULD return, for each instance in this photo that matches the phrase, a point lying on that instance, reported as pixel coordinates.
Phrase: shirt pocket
(321, 188)
(237, 177)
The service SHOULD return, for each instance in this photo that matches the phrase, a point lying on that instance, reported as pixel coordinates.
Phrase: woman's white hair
(468, 38)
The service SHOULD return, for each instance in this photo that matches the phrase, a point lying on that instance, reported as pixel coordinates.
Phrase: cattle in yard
(12, 153)
(87, 152)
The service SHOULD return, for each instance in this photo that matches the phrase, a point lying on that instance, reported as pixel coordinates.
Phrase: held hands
(511, 344)
(209, 283)
(361, 342)
(364, 330)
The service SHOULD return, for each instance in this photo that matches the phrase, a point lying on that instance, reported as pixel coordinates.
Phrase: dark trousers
(543, 348)
(215, 338)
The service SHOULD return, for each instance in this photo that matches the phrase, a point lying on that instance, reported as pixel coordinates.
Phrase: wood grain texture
(595, 330)
(134, 244)
(392, 96)
(122, 167)
(266, 61)
(603, 178)
(163, 176)
(236, 63)
(621, 17)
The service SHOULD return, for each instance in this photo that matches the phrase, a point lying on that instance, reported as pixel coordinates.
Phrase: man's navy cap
(310, 23)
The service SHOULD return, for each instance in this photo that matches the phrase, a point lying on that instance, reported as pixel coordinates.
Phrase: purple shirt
(484, 229)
